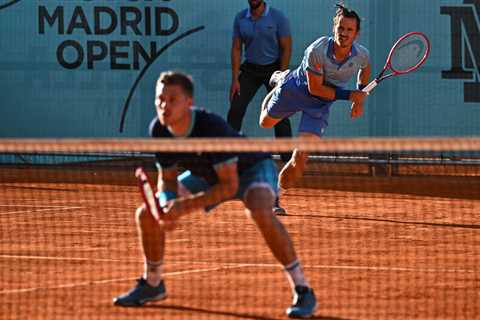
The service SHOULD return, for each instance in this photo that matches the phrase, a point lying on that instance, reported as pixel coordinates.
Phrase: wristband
(164, 196)
(342, 94)
(361, 86)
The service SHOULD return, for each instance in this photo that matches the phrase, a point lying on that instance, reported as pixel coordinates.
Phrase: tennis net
(384, 228)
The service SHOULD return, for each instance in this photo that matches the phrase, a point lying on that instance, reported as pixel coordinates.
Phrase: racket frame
(388, 64)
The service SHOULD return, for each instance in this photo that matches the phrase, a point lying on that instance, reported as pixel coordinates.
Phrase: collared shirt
(319, 59)
(260, 36)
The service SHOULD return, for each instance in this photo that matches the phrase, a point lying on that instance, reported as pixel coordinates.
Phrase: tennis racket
(148, 194)
(406, 55)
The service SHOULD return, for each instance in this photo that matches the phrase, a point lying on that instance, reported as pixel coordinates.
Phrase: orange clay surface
(371, 247)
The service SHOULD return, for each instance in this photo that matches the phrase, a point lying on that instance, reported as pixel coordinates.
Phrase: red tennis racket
(148, 194)
(406, 55)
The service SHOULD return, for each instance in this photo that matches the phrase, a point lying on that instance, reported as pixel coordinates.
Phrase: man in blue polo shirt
(328, 65)
(264, 34)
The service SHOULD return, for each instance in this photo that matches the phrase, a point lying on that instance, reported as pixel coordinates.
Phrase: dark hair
(342, 11)
(170, 78)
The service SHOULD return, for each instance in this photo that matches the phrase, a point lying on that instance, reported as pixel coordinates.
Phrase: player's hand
(171, 213)
(356, 110)
(234, 89)
(357, 96)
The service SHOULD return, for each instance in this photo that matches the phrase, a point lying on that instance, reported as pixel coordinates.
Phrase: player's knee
(259, 199)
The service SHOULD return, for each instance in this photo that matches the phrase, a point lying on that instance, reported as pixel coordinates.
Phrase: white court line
(40, 210)
(88, 283)
(7, 256)
(373, 268)
(253, 265)
(30, 205)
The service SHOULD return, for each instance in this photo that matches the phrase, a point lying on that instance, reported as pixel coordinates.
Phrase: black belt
(260, 68)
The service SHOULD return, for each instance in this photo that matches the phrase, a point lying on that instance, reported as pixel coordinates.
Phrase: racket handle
(370, 86)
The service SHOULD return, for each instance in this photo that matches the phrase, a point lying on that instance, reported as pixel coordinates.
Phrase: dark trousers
(251, 78)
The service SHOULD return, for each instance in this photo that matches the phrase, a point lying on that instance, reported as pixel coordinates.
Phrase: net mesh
(384, 228)
(409, 53)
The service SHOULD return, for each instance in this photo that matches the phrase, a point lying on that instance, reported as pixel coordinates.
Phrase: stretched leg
(267, 121)
(295, 167)
(283, 129)
(259, 201)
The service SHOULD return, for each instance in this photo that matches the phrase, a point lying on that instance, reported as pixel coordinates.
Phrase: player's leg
(249, 85)
(312, 126)
(259, 185)
(279, 103)
(281, 108)
(266, 121)
(150, 286)
(295, 167)
(283, 129)
(259, 201)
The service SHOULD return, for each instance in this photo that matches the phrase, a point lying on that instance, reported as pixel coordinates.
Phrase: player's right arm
(316, 87)
(363, 79)
(313, 64)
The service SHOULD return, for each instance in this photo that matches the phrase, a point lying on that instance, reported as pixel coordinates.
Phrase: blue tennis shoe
(141, 294)
(304, 303)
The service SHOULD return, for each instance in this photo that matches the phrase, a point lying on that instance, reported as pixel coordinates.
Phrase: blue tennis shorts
(263, 173)
(288, 98)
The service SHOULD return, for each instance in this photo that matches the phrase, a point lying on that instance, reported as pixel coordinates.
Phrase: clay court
(391, 247)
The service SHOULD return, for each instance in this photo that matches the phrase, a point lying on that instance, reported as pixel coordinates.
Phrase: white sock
(153, 272)
(295, 275)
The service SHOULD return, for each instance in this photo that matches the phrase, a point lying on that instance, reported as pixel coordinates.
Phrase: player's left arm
(224, 189)
(363, 79)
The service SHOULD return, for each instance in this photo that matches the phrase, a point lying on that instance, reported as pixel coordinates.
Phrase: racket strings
(409, 53)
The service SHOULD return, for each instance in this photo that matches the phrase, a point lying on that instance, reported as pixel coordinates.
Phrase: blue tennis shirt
(260, 36)
(319, 59)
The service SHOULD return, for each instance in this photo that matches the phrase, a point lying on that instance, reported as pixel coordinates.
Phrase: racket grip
(370, 86)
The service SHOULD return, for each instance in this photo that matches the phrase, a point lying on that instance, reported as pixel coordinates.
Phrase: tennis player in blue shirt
(327, 66)
(210, 179)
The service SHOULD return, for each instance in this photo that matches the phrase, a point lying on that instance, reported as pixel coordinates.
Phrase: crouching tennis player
(210, 179)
